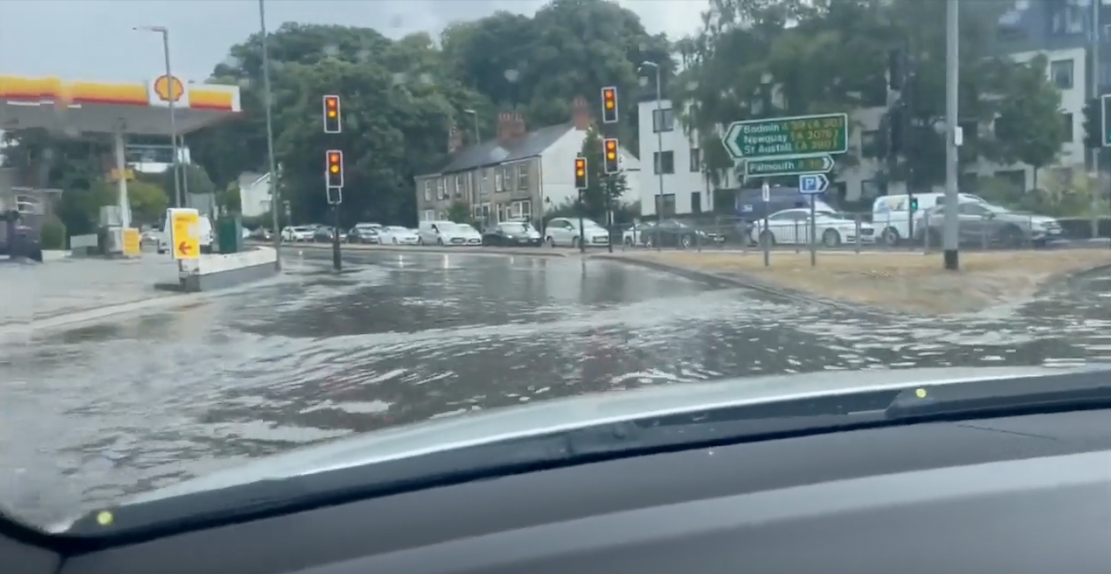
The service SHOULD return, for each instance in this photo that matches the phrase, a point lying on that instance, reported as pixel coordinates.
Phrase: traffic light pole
(337, 262)
(952, 77)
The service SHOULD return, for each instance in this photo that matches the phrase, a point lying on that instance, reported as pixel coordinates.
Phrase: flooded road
(92, 414)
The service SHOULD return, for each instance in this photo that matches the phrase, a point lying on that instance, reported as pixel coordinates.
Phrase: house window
(522, 209)
(427, 190)
(522, 177)
(509, 177)
(1061, 74)
(696, 160)
(459, 185)
(428, 215)
(1066, 134)
(668, 123)
(498, 183)
(696, 202)
(439, 189)
(668, 204)
(667, 158)
(485, 182)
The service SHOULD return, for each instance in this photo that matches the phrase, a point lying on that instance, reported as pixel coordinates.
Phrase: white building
(686, 191)
(664, 144)
(254, 194)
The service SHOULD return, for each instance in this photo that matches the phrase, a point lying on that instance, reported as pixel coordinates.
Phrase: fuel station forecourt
(79, 108)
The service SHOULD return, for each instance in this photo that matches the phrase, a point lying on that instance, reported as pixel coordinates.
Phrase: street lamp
(477, 138)
(659, 162)
(270, 135)
(170, 100)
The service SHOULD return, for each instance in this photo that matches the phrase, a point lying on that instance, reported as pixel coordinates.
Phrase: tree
(148, 201)
(1029, 128)
(833, 58)
(604, 191)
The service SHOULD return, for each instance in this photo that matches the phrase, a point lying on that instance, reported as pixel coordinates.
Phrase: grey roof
(493, 152)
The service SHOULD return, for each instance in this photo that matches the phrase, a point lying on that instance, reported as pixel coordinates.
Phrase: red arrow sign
(184, 249)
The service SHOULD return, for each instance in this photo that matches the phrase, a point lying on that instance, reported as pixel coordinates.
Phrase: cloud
(95, 40)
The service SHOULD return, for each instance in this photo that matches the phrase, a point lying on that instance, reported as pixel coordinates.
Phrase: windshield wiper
(713, 426)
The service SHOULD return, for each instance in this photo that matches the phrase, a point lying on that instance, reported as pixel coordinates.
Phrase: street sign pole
(337, 261)
(766, 195)
(813, 235)
(812, 185)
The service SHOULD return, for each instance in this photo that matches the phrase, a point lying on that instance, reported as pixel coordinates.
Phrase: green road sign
(784, 137)
(788, 166)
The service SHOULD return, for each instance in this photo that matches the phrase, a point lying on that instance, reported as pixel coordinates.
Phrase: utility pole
(950, 237)
(1093, 91)
(275, 198)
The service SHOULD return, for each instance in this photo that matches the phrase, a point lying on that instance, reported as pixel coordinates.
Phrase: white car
(792, 227)
(398, 235)
(448, 233)
(564, 232)
(298, 233)
(634, 234)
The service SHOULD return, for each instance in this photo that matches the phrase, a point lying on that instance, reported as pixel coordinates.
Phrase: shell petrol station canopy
(99, 107)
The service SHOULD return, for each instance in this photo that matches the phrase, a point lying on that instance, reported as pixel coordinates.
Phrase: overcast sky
(94, 40)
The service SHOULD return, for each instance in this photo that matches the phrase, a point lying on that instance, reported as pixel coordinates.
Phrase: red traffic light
(611, 149)
(609, 97)
(580, 167)
(332, 105)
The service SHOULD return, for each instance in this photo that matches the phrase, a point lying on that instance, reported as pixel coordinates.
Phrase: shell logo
(168, 88)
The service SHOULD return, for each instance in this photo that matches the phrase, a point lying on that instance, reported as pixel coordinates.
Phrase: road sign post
(777, 138)
(788, 166)
(766, 195)
(185, 233)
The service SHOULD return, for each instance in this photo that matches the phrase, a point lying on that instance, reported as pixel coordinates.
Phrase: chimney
(454, 139)
(580, 113)
(519, 128)
(506, 127)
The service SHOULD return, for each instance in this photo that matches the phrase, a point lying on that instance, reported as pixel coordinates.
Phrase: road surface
(91, 414)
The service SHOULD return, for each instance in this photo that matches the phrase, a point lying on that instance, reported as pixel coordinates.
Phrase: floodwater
(93, 414)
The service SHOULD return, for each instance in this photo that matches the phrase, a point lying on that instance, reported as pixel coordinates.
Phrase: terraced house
(518, 174)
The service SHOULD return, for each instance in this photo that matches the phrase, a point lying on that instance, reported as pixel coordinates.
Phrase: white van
(206, 235)
(891, 213)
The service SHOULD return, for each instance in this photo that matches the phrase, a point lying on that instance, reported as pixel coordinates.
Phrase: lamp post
(658, 163)
(170, 100)
(274, 180)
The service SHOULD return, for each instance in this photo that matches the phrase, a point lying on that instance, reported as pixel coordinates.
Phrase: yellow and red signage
(156, 93)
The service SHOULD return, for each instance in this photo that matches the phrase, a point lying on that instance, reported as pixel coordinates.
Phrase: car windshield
(135, 366)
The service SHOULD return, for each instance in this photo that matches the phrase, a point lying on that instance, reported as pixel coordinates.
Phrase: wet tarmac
(92, 414)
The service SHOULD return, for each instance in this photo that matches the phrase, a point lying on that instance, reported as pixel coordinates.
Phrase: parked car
(891, 213)
(983, 223)
(633, 234)
(18, 239)
(792, 227)
(671, 232)
(324, 234)
(298, 233)
(565, 232)
(508, 233)
(397, 235)
(448, 233)
(367, 235)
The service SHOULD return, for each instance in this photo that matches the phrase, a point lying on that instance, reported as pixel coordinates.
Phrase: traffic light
(332, 122)
(334, 177)
(609, 105)
(580, 173)
(913, 204)
(609, 152)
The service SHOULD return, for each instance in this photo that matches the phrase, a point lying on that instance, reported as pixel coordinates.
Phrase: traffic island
(221, 271)
(901, 282)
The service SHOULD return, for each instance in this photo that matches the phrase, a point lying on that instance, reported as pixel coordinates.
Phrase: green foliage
(1029, 128)
(834, 59)
(53, 235)
(459, 212)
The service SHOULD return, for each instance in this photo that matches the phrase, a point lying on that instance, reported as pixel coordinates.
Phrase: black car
(325, 234)
(674, 233)
(18, 239)
(367, 235)
(509, 233)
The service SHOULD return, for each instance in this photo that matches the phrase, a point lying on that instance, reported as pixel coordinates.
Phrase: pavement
(33, 293)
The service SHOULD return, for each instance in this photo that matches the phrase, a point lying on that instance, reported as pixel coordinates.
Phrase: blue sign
(813, 183)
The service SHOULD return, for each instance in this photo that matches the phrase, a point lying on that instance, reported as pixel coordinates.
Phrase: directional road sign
(788, 137)
(788, 166)
(185, 233)
(813, 183)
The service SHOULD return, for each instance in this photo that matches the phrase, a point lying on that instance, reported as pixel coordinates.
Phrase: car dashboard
(1029, 493)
